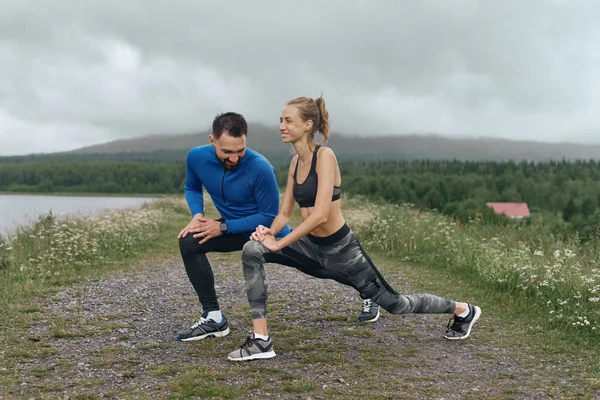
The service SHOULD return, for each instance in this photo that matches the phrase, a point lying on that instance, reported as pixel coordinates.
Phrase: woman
(323, 245)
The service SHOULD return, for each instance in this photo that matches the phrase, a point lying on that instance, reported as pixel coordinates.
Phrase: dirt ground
(115, 338)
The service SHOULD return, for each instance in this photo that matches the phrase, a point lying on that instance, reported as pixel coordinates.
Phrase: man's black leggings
(198, 268)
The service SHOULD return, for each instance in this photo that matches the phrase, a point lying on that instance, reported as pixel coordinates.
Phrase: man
(243, 188)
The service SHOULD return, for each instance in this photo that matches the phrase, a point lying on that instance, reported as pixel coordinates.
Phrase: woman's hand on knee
(260, 233)
(271, 243)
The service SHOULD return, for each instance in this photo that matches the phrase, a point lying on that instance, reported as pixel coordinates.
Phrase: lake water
(22, 210)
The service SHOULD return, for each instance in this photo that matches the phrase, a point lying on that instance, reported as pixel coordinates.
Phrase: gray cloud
(77, 73)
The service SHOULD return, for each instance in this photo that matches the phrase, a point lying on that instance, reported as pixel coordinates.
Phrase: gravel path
(115, 338)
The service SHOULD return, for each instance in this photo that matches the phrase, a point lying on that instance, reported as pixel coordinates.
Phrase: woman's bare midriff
(334, 222)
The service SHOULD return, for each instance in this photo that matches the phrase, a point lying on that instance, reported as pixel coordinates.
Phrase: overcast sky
(76, 73)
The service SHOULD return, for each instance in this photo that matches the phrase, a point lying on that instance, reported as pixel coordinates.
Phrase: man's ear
(212, 139)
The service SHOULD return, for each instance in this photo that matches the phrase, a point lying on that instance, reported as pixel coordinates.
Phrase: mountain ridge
(267, 140)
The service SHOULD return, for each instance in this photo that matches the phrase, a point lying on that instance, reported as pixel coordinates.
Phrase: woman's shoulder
(325, 151)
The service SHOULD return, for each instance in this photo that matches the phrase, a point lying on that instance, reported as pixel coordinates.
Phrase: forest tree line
(565, 194)
(92, 177)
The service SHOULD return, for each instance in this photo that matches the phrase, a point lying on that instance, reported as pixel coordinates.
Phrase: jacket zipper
(223, 185)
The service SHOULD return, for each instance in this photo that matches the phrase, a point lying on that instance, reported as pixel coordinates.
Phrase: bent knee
(253, 249)
(190, 244)
(251, 246)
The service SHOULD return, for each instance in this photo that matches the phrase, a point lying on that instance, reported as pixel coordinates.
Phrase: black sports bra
(306, 193)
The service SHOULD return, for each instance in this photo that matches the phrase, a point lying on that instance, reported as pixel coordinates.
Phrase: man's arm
(267, 197)
(193, 185)
(193, 195)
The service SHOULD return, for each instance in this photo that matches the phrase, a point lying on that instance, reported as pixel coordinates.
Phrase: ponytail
(324, 118)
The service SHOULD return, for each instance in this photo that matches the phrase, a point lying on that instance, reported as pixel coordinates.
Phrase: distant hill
(266, 140)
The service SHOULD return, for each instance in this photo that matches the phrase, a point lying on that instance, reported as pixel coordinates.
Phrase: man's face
(229, 149)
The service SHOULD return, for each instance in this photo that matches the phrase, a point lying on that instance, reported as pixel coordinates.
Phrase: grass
(56, 253)
(531, 345)
(513, 319)
(560, 280)
(164, 370)
(202, 382)
(298, 387)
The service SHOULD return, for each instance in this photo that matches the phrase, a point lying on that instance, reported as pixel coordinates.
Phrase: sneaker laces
(199, 323)
(454, 325)
(367, 303)
(248, 343)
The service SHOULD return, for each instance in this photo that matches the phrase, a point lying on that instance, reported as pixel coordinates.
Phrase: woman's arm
(326, 166)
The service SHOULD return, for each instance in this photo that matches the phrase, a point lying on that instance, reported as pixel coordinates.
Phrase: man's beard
(227, 166)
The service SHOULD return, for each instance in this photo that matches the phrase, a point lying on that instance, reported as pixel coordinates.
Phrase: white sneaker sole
(371, 320)
(258, 356)
(475, 318)
(208, 335)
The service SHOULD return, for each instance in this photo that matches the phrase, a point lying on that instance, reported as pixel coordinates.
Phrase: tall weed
(562, 276)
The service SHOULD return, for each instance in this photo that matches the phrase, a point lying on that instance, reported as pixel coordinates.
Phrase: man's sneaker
(253, 349)
(460, 328)
(370, 311)
(205, 328)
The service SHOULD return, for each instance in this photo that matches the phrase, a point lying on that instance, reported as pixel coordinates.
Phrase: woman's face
(291, 125)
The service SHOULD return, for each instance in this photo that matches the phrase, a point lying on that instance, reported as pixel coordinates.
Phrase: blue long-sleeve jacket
(246, 196)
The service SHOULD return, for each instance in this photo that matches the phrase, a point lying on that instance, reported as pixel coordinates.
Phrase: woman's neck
(304, 149)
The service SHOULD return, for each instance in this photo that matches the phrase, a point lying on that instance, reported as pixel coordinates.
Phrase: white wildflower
(569, 253)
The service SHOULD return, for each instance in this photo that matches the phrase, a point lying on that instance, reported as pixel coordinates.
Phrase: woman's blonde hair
(314, 110)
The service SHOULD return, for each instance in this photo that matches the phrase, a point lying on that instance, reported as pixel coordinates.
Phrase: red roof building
(512, 210)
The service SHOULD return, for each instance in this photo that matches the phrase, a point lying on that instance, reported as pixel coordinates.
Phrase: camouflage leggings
(339, 257)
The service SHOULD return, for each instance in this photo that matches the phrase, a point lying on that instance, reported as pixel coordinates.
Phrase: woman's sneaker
(205, 328)
(253, 349)
(460, 328)
(369, 312)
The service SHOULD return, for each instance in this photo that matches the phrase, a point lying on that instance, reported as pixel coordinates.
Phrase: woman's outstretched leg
(347, 258)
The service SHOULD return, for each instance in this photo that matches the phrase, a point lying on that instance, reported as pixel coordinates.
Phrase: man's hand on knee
(194, 223)
(207, 229)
